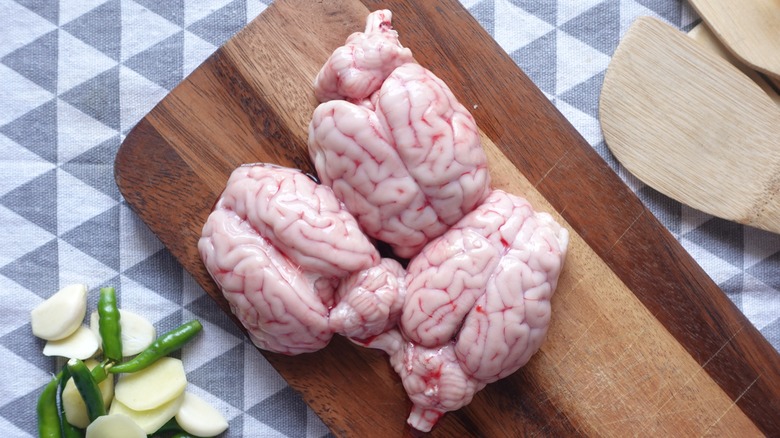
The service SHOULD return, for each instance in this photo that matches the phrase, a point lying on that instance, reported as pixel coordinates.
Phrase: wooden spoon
(704, 36)
(692, 126)
(749, 28)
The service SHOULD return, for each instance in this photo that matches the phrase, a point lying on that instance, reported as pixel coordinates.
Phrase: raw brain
(357, 69)
(279, 245)
(402, 154)
(477, 305)
(405, 159)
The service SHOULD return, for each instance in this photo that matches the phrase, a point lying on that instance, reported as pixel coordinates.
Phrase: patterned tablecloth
(76, 76)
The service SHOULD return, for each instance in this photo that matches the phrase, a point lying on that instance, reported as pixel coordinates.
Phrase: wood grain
(642, 341)
(704, 36)
(692, 126)
(748, 28)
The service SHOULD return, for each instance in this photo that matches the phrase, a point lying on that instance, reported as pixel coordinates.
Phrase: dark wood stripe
(163, 169)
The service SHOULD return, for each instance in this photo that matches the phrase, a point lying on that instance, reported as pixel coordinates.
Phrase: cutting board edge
(158, 235)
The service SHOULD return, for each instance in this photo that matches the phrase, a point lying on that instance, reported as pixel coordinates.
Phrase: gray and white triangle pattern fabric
(76, 76)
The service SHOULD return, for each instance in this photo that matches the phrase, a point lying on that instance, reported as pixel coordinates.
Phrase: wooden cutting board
(642, 342)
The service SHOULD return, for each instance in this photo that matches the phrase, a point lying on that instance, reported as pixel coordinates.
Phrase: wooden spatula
(749, 28)
(692, 126)
(704, 36)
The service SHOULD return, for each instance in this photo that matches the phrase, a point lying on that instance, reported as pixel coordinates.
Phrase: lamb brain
(432, 377)
(369, 301)
(300, 217)
(354, 155)
(437, 139)
(479, 297)
(265, 245)
(357, 69)
(407, 160)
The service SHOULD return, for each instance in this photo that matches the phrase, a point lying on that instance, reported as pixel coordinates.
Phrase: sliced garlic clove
(114, 426)
(152, 419)
(199, 418)
(61, 314)
(149, 388)
(81, 344)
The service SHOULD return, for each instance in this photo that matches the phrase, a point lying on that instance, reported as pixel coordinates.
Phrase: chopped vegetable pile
(149, 397)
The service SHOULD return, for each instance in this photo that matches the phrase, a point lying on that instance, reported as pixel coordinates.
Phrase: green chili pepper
(68, 430)
(162, 346)
(110, 330)
(88, 389)
(99, 373)
(48, 412)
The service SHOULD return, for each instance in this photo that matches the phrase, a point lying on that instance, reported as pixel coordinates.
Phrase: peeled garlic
(137, 332)
(81, 344)
(61, 314)
(73, 404)
(199, 418)
(149, 388)
(150, 420)
(114, 426)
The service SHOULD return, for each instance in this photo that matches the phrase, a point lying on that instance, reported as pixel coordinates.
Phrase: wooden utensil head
(692, 126)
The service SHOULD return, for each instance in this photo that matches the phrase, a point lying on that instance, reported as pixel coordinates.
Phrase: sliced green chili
(162, 346)
(88, 389)
(110, 330)
(47, 410)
